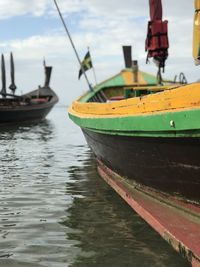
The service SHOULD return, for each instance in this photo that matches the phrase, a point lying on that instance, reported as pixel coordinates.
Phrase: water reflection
(27, 157)
(55, 211)
(108, 232)
(41, 130)
(23, 148)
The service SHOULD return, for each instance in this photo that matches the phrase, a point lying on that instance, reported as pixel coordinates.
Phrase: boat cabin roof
(123, 86)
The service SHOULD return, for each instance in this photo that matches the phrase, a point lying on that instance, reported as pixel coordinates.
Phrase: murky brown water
(55, 210)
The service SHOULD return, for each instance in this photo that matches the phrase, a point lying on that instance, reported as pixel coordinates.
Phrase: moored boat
(30, 107)
(157, 133)
(150, 141)
(145, 134)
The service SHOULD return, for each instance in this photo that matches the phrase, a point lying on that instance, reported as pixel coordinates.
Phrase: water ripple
(56, 211)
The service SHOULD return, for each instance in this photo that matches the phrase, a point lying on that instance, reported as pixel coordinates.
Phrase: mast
(12, 87)
(47, 74)
(73, 46)
(3, 76)
(127, 51)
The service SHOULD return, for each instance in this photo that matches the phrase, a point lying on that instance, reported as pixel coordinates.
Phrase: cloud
(112, 8)
(104, 26)
(10, 8)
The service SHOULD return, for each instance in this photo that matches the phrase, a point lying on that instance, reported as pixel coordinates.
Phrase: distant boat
(145, 135)
(30, 107)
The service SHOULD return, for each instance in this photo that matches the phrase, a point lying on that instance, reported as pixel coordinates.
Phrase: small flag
(86, 64)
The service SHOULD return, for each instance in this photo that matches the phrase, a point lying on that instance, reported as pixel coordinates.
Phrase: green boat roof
(124, 78)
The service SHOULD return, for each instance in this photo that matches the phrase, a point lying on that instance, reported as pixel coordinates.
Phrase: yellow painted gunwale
(181, 98)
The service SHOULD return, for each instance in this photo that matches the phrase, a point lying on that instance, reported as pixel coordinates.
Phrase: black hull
(24, 115)
(15, 112)
(168, 165)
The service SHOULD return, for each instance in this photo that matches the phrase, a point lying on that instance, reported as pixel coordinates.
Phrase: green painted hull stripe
(186, 123)
(181, 134)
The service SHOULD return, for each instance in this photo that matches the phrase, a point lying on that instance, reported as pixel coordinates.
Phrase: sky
(32, 30)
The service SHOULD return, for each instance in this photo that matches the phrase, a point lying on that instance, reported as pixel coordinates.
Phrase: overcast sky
(32, 30)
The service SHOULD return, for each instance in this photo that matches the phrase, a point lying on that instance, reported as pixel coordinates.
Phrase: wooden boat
(29, 107)
(151, 138)
(146, 136)
(148, 143)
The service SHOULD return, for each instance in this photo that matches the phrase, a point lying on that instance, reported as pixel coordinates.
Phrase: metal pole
(95, 77)
(72, 43)
(3, 76)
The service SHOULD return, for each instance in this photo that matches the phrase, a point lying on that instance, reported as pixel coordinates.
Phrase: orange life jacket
(157, 43)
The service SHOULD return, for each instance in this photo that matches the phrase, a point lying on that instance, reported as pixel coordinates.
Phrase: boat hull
(167, 217)
(167, 165)
(24, 114)
(25, 109)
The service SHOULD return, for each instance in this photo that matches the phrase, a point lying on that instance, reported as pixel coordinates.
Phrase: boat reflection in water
(24, 151)
(104, 230)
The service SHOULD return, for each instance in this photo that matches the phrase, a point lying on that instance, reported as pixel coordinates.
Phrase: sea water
(55, 210)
